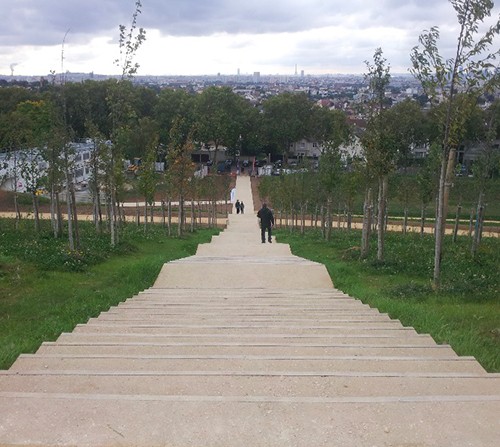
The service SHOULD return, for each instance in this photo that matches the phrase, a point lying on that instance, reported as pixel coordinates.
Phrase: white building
(11, 166)
(311, 149)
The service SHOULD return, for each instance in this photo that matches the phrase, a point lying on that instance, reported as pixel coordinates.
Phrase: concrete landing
(244, 345)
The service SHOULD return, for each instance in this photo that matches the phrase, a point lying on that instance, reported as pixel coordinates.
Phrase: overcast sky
(219, 36)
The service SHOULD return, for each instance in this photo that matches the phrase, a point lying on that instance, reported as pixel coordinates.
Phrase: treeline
(125, 121)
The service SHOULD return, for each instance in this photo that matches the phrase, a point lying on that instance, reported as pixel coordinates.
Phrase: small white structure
(11, 166)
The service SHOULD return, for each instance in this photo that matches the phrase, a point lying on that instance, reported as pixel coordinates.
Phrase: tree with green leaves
(485, 167)
(379, 142)
(219, 116)
(180, 166)
(130, 41)
(170, 105)
(147, 181)
(286, 119)
(122, 115)
(33, 125)
(469, 72)
(428, 182)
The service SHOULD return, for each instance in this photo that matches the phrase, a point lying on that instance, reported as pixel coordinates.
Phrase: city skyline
(220, 36)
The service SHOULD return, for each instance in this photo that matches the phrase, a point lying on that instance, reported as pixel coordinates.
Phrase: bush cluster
(412, 256)
(46, 252)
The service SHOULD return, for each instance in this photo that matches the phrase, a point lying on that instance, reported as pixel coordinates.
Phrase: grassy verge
(45, 290)
(464, 314)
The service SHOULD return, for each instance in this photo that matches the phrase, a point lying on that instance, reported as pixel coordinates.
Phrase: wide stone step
(277, 294)
(404, 335)
(225, 275)
(136, 326)
(279, 318)
(145, 420)
(347, 325)
(112, 334)
(316, 364)
(219, 348)
(242, 250)
(240, 384)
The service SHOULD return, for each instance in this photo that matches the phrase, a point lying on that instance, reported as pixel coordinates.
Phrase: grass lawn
(45, 291)
(465, 313)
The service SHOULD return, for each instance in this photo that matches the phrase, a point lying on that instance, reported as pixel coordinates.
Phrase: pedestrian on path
(242, 207)
(266, 219)
(238, 207)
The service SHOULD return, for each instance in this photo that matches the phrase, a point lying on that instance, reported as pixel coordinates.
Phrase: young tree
(34, 123)
(130, 41)
(484, 169)
(180, 166)
(121, 113)
(378, 140)
(468, 72)
(147, 181)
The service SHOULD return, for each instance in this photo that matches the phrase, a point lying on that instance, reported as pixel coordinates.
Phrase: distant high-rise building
(301, 73)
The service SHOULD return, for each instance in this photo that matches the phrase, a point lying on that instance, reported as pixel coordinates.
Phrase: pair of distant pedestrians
(240, 207)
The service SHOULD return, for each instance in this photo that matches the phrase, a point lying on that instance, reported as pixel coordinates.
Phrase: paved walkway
(246, 345)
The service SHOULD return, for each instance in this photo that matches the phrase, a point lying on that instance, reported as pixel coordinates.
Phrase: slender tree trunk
(423, 211)
(367, 224)
(17, 210)
(382, 194)
(457, 223)
(169, 215)
(444, 191)
(53, 216)
(74, 213)
(36, 213)
(70, 218)
(193, 216)
(405, 220)
(163, 215)
(329, 218)
(479, 225)
(349, 218)
(97, 203)
(471, 222)
(180, 216)
(302, 219)
(59, 214)
(112, 220)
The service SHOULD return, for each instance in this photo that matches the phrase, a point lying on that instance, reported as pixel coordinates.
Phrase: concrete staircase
(245, 344)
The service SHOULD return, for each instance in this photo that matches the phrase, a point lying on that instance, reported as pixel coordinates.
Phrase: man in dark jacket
(266, 218)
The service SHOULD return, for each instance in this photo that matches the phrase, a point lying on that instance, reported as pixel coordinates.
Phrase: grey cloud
(44, 22)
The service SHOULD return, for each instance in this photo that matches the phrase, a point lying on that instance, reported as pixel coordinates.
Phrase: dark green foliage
(47, 253)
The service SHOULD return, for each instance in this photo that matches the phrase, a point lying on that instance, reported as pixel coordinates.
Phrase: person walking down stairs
(266, 219)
